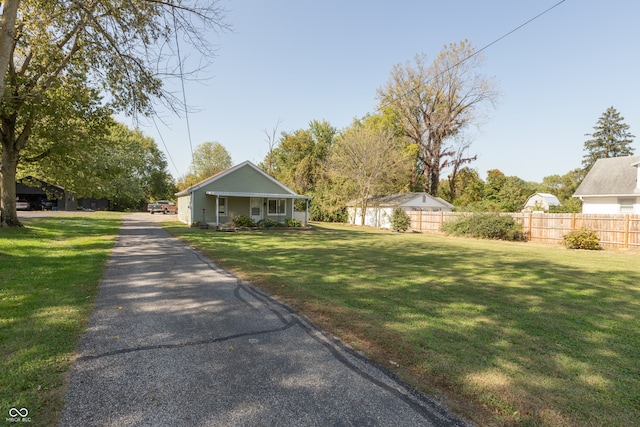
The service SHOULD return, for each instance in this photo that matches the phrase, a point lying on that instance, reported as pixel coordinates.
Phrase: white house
(379, 209)
(541, 202)
(244, 189)
(612, 186)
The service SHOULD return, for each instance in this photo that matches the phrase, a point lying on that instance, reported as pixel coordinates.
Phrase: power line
(184, 93)
(166, 148)
(513, 31)
(477, 52)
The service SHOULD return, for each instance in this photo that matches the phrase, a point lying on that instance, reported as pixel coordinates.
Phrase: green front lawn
(507, 333)
(49, 275)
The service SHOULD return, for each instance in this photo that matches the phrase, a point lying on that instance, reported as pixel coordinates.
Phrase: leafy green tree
(300, 155)
(437, 102)
(611, 138)
(76, 50)
(123, 166)
(209, 158)
(468, 188)
(505, 193)
(185, 181)
(368, 160)
(69, 151)
(455, 163)
(514, 194)
(328, 201)
(496, 179)
(563, 187)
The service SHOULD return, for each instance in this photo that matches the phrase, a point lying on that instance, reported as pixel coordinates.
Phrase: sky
(288, 62)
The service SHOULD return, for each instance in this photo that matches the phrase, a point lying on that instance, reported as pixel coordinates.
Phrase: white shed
(541, 202)
(379, 209)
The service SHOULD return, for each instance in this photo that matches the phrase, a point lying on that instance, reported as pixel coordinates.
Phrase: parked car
(22, 205)
(49, 205)
(163, 206)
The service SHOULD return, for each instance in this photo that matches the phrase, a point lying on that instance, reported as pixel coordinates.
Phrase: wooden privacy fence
(615, 231)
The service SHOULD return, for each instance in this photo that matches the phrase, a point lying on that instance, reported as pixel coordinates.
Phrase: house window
(626, 206)
(222, 205)
(277, 206)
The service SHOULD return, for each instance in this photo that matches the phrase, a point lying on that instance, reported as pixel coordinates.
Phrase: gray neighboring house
(380, 208)
(541, 202)
(612, 186)
(244, 189)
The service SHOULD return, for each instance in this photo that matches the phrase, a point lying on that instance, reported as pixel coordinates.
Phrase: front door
(256, 208)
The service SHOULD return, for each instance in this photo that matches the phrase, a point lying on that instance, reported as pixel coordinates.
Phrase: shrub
(243, 221)
(485, 226)
(292, 222)
(582, 239)
(267, 223)
(400, 220)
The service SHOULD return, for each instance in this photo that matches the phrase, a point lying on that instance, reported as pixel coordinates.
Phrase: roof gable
(610, 177)
(549, 198)
(244, 177)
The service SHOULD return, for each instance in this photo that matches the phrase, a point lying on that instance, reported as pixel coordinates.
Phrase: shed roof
(614, 176)
(548, 197)
(36, 186)
(404, 199)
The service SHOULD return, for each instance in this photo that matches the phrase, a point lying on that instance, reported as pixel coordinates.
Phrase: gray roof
(612, 176)
(402, 200)
(550, 198)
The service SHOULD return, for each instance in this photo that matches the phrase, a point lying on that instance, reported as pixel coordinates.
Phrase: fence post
(573, 221)
(530, 225)
(420, 221)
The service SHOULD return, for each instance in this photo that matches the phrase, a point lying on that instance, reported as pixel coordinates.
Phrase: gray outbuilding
(379, 209)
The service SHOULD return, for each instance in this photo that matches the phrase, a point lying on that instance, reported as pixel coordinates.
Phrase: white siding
(184, 209)
(600, 205)
(608, 205)
(375, 217)
(301, 216)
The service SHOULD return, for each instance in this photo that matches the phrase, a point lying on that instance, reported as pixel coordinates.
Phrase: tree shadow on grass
(536, 339)
(49, 272)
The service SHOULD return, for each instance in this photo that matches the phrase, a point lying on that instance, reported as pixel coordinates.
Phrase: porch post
(217, 212)
(306, 212)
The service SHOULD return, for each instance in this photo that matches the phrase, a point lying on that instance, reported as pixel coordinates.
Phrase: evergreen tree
(611, 138)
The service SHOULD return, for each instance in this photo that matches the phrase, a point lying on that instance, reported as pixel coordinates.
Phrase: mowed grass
(49, 276)
(506, 333)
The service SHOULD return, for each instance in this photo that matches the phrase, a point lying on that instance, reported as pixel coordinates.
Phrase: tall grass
(508, 333)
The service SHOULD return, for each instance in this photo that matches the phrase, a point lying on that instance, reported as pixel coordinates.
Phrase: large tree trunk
(7, 36)
(10, 155)
(434, 181)
(8, 166)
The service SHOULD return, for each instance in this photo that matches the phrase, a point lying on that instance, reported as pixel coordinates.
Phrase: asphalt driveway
(176, 341)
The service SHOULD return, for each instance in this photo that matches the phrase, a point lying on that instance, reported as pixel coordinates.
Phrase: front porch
(275, 207)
